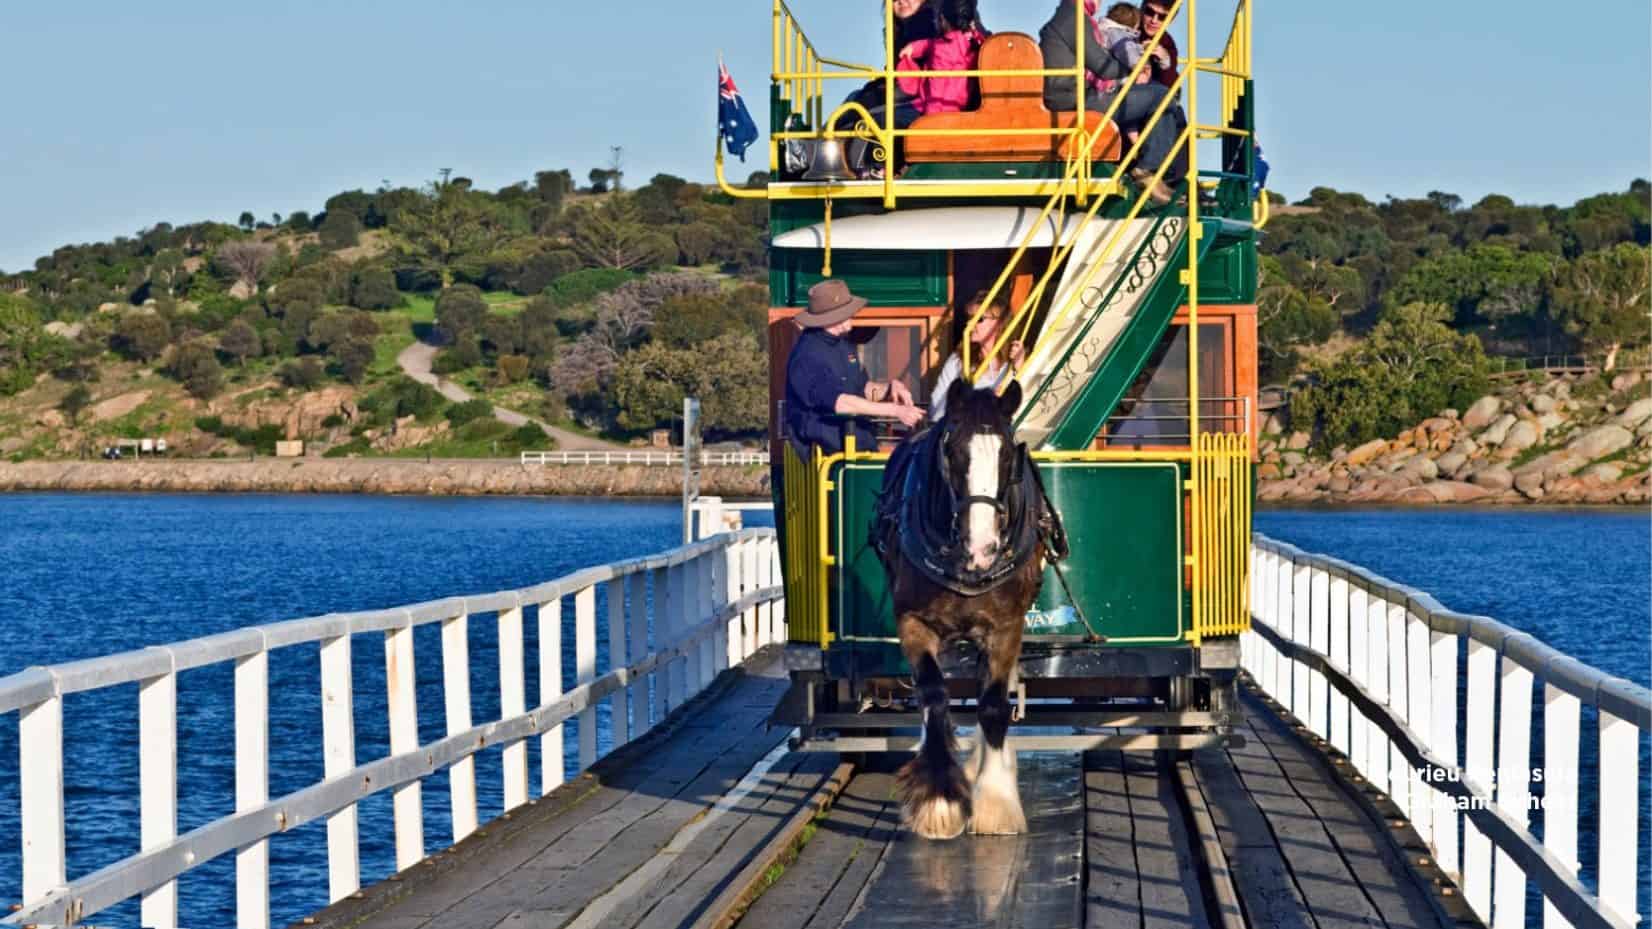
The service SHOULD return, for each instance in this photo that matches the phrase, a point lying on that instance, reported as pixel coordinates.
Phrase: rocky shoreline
(449, 477)
(1568, 440)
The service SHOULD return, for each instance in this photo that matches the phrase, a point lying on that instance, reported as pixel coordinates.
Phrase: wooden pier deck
(711, 822)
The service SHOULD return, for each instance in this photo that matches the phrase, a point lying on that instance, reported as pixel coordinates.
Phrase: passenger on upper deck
(1060, 47)
(827, 390)
(914, 21)
(1154, 14)
(957, 48)
(985, 332)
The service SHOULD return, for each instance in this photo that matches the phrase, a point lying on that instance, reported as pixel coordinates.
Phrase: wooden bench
(1008, 103)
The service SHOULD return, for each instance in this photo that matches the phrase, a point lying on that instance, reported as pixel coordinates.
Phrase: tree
(374, 289)
(649, 384)
(353, 356)
(301, 373)
(75, 402)
(299, 222)
(245, 261)
(446, 230)
(239, 341)
(611, 236)
(339, 229)
(1493, 282)
(459, 312)
(1601, 299)
(195, 365)
(689, 320)
(1287, 320)
(141, 335)
(1412, 366)
(247, 220)
(696, 242)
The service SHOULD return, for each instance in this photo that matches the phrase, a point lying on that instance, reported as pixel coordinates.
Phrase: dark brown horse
(963, 538)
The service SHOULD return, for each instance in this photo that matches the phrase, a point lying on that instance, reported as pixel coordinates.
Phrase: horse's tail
(935, 793)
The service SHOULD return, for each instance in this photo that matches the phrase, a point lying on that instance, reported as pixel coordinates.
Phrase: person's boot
(1153, 189)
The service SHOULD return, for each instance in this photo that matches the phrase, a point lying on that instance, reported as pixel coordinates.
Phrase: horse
(963, 532)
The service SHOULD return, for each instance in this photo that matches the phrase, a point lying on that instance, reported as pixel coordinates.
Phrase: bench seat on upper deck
(1008, 103)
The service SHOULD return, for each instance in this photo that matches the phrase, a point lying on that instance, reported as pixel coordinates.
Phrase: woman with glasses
(985, 333)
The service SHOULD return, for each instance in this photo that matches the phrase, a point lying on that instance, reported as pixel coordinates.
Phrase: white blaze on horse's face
(981, 528)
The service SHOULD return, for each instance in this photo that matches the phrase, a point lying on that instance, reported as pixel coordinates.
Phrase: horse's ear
(1010, 400)
(955, 394)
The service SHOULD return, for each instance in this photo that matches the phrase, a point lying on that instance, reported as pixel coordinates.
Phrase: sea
(86, 575)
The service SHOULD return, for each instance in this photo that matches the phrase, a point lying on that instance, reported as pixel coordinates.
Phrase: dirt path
(415, 361)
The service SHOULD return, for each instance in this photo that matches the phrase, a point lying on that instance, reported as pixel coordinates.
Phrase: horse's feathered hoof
(996, 814)
(935, 804)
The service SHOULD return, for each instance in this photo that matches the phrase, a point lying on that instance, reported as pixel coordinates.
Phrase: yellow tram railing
(1220, 506)
(807, 554)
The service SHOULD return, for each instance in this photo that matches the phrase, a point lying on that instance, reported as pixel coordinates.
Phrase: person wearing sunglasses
(1154, 15)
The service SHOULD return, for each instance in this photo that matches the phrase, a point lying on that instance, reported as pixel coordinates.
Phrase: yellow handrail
(1021, 318)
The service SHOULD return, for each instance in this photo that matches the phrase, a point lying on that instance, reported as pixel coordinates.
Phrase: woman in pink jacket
(957, 47)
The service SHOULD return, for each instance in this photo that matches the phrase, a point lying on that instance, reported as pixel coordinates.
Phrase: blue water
(88, 575)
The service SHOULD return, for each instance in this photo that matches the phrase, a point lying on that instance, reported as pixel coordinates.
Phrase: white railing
(712, 604)
(625, 457)
(1379, 671)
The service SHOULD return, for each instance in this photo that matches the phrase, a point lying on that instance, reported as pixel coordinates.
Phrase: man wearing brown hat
(827, 391)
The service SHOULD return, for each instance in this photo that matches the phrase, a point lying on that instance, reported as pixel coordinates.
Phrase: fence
(641, 458)
(1376, 669)
(674, 621)
(1625, 360)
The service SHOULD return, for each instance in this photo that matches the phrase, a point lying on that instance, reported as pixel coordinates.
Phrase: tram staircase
(1122, 280)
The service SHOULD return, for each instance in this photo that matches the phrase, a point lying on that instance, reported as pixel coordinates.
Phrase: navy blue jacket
(821, 368)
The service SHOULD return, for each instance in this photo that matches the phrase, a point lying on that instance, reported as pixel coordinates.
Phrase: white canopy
(950, 227)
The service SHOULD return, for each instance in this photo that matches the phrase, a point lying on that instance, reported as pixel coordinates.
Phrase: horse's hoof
(997, 818)
(938, 818)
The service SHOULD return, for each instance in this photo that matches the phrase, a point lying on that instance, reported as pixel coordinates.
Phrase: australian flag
(733, 119)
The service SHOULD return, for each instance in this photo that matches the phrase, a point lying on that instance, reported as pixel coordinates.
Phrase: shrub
(333, 421)
(583, 286)
(339, 229)
(460, 310)
(460, 413)
(210, 424)
(532, 436)
(374, 289)
(543, 269)
(404, 396)
(141, 335)
(302, 374)
(353, 357)
(196, 366)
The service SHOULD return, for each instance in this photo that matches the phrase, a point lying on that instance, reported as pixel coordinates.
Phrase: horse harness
(926, 512)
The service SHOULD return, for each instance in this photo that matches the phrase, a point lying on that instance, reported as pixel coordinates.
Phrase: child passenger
(1120, 33)
(956, 47)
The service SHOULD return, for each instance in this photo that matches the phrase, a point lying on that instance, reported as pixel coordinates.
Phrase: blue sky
(119, 115)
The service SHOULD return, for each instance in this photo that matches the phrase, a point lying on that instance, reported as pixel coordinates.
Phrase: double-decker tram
(1137, 365)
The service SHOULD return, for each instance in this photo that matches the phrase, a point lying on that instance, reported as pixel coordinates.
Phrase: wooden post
(1561, 731)
(619, 711)
(252, 786)
(513, 701)
(553, 767)
(338, 735)
(585, 670)
(641, 707)
(1443, 728)
(407, 801)
(1298, 700)
(678, 609)
(40, 796)
(1376, 620)
(1339, 654)
(1514, 742)
(1619, 833)
(1478, 739)
(158, 786)
(1359, 668)
(1319, 639)
(1419, 715)
(663, 581)
(456, 691)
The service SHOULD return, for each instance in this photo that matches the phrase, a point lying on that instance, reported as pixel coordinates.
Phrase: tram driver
(827, 391)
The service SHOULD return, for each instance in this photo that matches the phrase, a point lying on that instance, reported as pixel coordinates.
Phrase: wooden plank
(1170, 892)
(730, 721)
(1326, 884)
(1112, 884)
(1384, 877)
(850, 832)
(1266, 886)
(1032, 879)
(685, 901)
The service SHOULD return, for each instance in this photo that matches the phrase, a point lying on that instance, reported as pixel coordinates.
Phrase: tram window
(895, 352)
(1155, 411)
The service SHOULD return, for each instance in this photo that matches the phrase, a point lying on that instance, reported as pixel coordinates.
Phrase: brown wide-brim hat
(830, 303)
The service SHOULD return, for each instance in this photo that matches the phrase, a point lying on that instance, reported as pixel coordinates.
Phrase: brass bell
(828, 162)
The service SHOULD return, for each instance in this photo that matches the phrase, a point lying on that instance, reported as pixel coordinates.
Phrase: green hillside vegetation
(538, 291)
(1385, 313)
(598, 308)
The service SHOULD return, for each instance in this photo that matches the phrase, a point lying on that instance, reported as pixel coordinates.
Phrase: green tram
(1139, 374)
